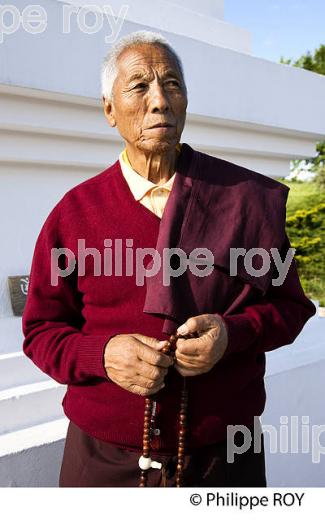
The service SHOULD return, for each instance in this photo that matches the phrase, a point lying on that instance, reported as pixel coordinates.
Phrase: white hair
(109, 67)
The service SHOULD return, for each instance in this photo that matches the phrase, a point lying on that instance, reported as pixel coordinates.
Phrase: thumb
(195, 324)
(151, 342)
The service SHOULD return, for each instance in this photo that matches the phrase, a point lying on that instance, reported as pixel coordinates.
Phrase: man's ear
(109, 111)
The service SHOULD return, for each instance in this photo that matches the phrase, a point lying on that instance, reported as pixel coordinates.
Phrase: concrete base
(35, 467)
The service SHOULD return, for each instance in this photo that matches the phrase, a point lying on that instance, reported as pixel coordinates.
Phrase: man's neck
(156, 167)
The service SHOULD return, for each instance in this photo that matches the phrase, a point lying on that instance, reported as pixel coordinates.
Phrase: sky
(278, 28)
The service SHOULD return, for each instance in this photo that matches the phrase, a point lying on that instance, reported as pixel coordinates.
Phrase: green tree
(316, 63)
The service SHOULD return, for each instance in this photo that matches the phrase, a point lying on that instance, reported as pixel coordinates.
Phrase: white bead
(144, 462)
(156, 465)
(147, 463)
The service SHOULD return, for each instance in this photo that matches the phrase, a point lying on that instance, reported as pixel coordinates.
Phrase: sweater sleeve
(275, 320)
(52, 318)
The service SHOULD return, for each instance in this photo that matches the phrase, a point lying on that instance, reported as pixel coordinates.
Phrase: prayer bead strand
(145, 461)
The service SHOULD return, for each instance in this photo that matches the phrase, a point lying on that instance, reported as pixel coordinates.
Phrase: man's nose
(158, 99)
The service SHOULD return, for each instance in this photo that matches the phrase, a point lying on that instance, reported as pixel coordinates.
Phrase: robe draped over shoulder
(216, 205)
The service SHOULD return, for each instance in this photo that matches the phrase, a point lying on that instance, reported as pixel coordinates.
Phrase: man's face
(148, 91)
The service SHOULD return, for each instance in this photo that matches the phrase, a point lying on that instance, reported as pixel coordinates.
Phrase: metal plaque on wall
(18, 287)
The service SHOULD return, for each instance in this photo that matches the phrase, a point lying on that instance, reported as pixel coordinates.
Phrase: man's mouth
(162, 125)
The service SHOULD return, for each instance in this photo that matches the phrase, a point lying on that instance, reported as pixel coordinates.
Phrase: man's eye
(172, 83)
(140, 86)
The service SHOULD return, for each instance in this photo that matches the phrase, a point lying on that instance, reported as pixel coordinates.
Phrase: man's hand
(133, 361)
(195, 356)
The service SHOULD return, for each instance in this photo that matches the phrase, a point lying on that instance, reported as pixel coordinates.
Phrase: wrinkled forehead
(144, 58)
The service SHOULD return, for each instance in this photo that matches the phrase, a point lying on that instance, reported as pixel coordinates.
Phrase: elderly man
(101, 326)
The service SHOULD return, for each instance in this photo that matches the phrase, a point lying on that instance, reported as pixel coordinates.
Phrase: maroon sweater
(67, 326)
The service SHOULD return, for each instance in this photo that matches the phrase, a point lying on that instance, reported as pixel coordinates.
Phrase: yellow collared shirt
(151, 195)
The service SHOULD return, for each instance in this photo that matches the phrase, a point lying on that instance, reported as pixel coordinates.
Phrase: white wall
(35, 467)
(200, 20)
(296, 394)
(295, 387)
(222, 83)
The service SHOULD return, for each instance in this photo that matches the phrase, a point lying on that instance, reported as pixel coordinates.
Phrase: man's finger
(197, 323)
(152, 356)
(151, 384)
(151, 342)
(149, 370)
(140, 390)
(190, 347)
(190, 360)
